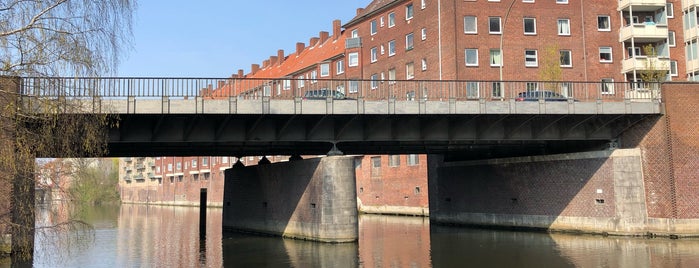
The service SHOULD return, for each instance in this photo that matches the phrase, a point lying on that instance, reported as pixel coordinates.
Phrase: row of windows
(394, 160)
(374, 25)
(391, 45)
(530, 58)
(495, 26)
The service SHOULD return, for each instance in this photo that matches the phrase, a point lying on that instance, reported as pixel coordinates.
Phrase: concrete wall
(595, 192)
(311, 199)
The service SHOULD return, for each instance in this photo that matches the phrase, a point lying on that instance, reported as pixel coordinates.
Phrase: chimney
(280, 55)
(337, 30)
(323, 37)
(254, 68)
(272, 60)
(359, 11)
(241, 73)
(265, 64)
(299, 48)
(313, 41)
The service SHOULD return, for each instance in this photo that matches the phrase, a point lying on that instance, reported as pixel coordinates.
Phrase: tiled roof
(310, 56)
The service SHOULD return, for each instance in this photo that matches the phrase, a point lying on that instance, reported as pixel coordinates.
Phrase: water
(156, 236)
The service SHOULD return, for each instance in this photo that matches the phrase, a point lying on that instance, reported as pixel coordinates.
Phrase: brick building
(481, 42)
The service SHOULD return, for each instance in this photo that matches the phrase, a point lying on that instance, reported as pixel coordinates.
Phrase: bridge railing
(288, 88)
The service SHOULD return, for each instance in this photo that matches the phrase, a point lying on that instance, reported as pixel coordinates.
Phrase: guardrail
(288, 88)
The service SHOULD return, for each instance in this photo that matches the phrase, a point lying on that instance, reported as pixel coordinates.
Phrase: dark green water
(155, 236)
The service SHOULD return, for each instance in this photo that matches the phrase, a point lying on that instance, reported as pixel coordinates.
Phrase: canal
(163, 236)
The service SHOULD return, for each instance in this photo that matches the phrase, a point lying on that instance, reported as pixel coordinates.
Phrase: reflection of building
(55, 176)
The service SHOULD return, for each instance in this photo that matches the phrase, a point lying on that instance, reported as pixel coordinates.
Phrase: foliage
(50, 38)
(550, 67)
(653, 73)
(96, 184)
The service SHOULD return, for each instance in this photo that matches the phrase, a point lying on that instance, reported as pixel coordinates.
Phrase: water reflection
(155, 236)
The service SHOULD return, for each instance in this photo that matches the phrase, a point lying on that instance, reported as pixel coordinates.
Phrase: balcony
(353, 42)
(127, 178)
(139, 178)
(686, 4)
(690, 34)
(642, 32)
(641, 5)
(151, 163)
(693, 66)
(140, 167)
(645, 64)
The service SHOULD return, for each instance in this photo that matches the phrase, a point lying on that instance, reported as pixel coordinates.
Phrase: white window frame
(528, 57)
(374, 27)
(527, 1)
(490, 30)
(472, 90)
(340, 67)
(409, 12)
(324, 69)
(286, 84)
(492, 57)
(424, 64)
(671, 39)
(423, 4)
(673, 68)
(562, 2)
(391, 76)
(524, 24)
(475, 25)
(314, 77)
(354, 33)
(353, 86)
(609, 23)
(466, 57)
(607, 83)
(563, 31)
(670, 10)
(374, 54)
(570, 57)
(353, 59)
(423, 32)
(374, 81)
(606, 50)
(409, 70)
(300, 82)
(391, 19)
(391, 48)
(381, 22)
(409, 41)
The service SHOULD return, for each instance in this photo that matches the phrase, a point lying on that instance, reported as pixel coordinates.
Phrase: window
(374, 27)
(179, 166)
(409, 12)
(393, 160)
(391, 76)
(472, 89)
(634, 51)
(169, 167)
(381, 23)
(470, 25)
(532, 86)
(383, 50)
(495, 58)
(603, 23)
(409, 71)
(355, 33)
(413, 160)
(354, 59)
(561, 1)
(494, 25)
(529, 26)
(471, 57)
(563, 26)
(671, 38)
(224, 160)
(374, 81)
(194, 163)
(423, 4)
(424, 64)
(340, 66)
(530, 58)
(607, 86)
(374, 54)
(497, 89)
(286, 84)
(314, 76)
(324, 69)
(353, 86)
(605, 54)
(527, 1)
(424, 34)
(391, 48)
(391, 19)
(409, 41)
(670, 10)
(673, 68)
(375, 166)
(566, 60)
(205, 161)
(300, 81)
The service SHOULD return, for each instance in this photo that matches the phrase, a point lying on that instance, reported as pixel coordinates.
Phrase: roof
(371, 9)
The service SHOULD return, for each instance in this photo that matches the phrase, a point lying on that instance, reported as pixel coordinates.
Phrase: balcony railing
(298, 89)
(625, 4)
(641, 63)
(644, 32)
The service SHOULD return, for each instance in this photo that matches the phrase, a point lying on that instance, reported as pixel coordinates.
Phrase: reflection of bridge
(171, 116)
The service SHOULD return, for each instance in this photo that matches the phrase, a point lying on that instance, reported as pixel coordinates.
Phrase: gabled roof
(371, 9)
(310, 56)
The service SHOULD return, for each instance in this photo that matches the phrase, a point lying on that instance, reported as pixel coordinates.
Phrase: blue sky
(215, 38)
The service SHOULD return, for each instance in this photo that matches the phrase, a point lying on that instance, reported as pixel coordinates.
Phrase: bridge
(238, 116)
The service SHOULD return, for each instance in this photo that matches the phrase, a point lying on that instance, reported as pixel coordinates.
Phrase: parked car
(540, 94)
(321, 94)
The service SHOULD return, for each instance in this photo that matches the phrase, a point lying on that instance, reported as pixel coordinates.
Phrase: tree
(655, 71)
(550, 70)
(51, 38)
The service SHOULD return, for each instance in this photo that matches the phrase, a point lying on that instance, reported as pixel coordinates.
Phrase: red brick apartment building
(482, 42)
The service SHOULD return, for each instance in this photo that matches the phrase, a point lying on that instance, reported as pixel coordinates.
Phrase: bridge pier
(313, 199)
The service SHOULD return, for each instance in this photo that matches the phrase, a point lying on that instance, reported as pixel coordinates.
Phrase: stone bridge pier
(313, 199)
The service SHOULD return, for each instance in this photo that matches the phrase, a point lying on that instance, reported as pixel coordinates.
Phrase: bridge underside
(462, 136)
